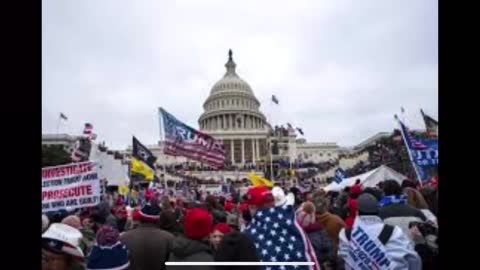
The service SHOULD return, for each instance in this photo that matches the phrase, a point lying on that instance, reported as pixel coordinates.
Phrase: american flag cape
(183, 140)
(279, 238)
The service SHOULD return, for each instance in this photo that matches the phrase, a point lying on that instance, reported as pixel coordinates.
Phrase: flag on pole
(430, 124)
(300, 131)
(183, 140)
(423, 153)
(141, 168)
(63, 116)
(88, 132)
(88, 129)
(339, 175)
(141, 153)
(274, 99)
(83, 145)
(259, 181)
(411, 141)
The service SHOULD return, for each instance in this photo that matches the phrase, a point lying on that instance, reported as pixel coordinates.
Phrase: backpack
(384, 235)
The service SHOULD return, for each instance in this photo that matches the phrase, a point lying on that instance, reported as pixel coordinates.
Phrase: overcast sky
(340, 69)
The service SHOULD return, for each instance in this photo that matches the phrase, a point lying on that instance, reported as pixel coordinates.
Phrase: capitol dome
(231, 104)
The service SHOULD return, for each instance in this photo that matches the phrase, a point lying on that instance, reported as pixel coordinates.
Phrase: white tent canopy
(368, 179)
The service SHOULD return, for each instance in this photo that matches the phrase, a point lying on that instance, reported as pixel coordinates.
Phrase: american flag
(279, 238)
(88, 131)
(183, 140)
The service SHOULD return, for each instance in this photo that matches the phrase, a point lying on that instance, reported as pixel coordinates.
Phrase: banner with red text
(70, 186)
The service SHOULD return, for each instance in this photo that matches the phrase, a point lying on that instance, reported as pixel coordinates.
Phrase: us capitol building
(232, 115)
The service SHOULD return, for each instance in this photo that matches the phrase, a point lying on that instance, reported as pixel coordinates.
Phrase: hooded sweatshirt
(188, 250)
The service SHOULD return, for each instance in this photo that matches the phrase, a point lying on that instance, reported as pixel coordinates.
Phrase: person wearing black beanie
(228, 251)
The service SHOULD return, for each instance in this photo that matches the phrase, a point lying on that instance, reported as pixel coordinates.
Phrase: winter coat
(401, 215)
(149, 247)
(333, 224)
(353, 207)
(398, 249)
(229, 251)
(321, 243)
(188, 250)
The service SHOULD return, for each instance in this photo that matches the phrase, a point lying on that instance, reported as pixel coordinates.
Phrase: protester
(341, 203)
(430, 194)
(45, 223)
(194, 247)
(352, 204)
(219, 231)
(233, 221)
(415, 199)
(120, 213)
(149, 245)
(322, 244)
(332, 223)
(425, 237)
(108, 253)
(102, 215)
(214, 207)
(168, 222)
(395, 210)
(73, 221)
(61, 248)
(398, 249)
(274, 230)
(236, 247)
(377, 193)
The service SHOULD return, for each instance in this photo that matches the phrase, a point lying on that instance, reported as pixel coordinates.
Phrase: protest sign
(74, 186)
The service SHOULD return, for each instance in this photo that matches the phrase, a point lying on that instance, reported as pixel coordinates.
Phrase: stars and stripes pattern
(83, 145)
(183, 140)
(279, 238)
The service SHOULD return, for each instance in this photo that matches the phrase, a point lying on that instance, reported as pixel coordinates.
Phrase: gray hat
(232, 220)
(367, 203)
(321, 204)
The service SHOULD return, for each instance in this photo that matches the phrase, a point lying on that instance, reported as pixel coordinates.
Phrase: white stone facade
(68, 141)
(232, 114)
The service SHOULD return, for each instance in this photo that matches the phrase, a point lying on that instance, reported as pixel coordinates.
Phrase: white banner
(71, 186)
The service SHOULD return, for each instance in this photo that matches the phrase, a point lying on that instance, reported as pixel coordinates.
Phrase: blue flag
(339, 175)
(423, 152)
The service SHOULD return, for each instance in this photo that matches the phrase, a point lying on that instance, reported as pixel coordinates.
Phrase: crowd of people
(118, 235)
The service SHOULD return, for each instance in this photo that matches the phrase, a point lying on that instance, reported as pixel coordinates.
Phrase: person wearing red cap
(352, 204)
(258, 198)
(194, 247)
(219, 231)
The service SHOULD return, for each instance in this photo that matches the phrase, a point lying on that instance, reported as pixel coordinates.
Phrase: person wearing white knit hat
(61, 248)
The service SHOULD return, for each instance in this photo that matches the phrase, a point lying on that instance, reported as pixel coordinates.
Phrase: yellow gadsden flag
(259, 181)
(141, 168)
